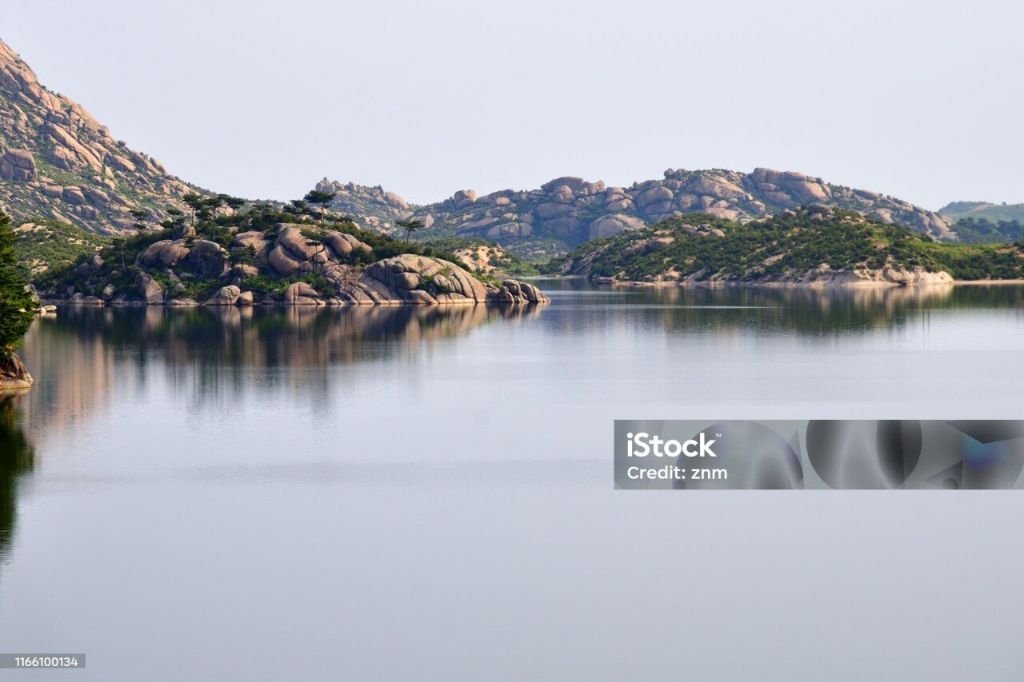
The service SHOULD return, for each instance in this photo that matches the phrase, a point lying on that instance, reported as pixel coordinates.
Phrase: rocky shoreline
(14, 375)
(293, 264)
(822, 277)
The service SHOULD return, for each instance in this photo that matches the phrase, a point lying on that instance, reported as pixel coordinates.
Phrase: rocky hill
(981, 222)
(58, 163)
(983, 210)
(568, 211)
(816, 246)
(258, 254)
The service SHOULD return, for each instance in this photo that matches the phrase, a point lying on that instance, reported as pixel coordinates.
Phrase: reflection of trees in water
(271, 337)
(77, 356)
(797, 309)
(16, 458)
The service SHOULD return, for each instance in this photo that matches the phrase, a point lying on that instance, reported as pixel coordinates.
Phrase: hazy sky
(920, 99)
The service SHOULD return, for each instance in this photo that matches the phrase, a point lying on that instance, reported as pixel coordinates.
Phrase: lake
(417, 494)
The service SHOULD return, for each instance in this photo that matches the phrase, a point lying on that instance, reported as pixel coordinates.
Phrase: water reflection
(79, 355)
(804, 311)
(16, 459)
(208, 356)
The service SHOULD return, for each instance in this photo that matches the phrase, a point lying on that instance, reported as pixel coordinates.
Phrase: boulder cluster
(293, 252)
(570, 210)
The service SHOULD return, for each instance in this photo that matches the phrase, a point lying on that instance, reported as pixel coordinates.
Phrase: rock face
(485, 258)
(568, 211)
(824, 276)
(208, 259)
(166, 252)
(14, 376)
(228, 295)
(301, 293)
(296, 253)
(58, 162)
(149, 289)
(18, 165)
(294, 264)
(372, 207)
(430, 281)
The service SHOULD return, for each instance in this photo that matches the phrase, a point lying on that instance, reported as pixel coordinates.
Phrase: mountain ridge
(57, 162)
(812, 246)
(568, 211)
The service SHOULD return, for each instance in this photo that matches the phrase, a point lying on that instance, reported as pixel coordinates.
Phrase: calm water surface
(426, 495)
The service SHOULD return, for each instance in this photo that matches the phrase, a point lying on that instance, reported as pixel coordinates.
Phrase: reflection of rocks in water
(311, 337)
(812, 311)
(16, 458)
(77, 355)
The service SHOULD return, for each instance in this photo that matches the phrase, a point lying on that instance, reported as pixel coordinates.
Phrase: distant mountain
(568, 211)
(983, 210)
(58, 163)
(816, 246)
(981, 222)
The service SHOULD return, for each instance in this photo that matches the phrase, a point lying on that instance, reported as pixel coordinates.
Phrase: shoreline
(987, 282)
(56, 304)
(794, 285)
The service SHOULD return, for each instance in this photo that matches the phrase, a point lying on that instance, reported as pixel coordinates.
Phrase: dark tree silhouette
(410, 226)
(320, 199)
(15, 300)
(195, 202)
(140, 218)
(16, 459)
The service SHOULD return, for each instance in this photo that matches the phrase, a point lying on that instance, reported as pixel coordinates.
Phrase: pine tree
(15, 300)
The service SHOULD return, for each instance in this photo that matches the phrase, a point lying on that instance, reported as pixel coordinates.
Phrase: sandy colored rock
(225, 296)
(166, 253)
(149, 288)
(208, 259)
(14, 375)
(301, 293)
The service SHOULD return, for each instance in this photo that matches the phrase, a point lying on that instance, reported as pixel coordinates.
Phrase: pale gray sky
(920, 99)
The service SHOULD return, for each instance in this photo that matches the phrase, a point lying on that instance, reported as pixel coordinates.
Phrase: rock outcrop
(228, 295)
(431, 281)
(14, 375)
(825, 276)
(482, 258)
(300, 264)
(568, 211)
(149, 289)
(58, 162)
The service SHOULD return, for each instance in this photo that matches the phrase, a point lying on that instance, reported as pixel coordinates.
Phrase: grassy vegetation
(983, 210)
(509, 265)
(706, 247)
(984, 231)
(54, 245)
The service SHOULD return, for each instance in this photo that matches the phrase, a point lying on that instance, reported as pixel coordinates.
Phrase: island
(814, 245)
(257, 253)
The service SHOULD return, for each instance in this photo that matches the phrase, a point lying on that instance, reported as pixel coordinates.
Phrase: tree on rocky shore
(16, 305)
